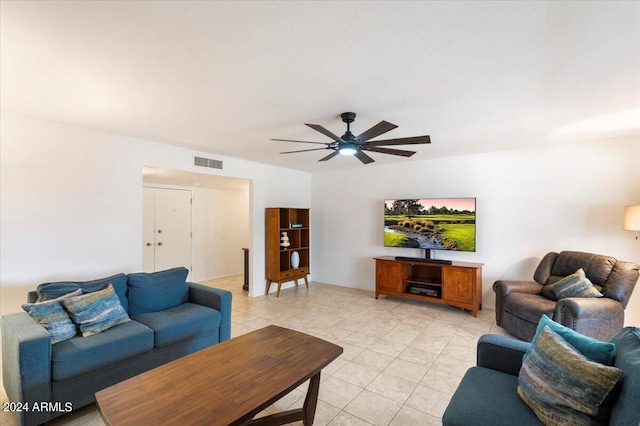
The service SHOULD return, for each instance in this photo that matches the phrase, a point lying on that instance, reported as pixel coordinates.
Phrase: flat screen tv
(431, 224)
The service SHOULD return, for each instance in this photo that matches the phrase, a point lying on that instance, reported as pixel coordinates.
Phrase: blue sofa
(487, 393)
(169, 318)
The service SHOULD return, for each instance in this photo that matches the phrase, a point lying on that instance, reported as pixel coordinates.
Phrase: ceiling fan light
(347, 149)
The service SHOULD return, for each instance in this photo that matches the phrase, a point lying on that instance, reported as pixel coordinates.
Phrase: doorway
(220, 219)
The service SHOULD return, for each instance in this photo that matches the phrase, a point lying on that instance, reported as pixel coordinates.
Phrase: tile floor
(402, 359)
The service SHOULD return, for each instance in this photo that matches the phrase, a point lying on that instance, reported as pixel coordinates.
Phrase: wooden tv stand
(458, 284)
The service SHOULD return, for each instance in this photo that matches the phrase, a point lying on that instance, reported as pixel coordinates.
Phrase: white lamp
(631, 221)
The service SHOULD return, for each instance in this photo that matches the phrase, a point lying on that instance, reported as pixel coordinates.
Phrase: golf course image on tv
(431, 223)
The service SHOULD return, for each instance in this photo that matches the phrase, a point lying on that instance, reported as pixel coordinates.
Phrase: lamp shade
(631, 221)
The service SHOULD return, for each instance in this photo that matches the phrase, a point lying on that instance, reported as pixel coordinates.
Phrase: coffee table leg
(311, 401)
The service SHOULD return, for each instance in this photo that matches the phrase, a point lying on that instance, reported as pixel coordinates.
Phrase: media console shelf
(458, 284)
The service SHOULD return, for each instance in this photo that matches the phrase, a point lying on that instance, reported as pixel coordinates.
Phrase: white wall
(71, 202)
(529, 202)
(71, 206)
(220, 231)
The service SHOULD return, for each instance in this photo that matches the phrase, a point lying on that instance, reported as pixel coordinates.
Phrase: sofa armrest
(217, 299)
(26, 361)
(501, 353)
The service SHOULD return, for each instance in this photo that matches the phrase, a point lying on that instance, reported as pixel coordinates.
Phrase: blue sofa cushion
(470, 404)
(48, 291)
(181, 322)
(625, 410)
(81, 355)
(157, 291)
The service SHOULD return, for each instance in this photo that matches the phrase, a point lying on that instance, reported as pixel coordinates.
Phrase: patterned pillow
(96, 312)
(574, 285)
(561, 385)
(595, 350)
(52, 316)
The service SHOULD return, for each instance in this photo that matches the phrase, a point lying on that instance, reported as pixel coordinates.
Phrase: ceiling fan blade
(303, 150)
(363, 157)
(330, 156)
(289, 140)
(401, 152)
(319, 128)
(377, 130)
(401, 141)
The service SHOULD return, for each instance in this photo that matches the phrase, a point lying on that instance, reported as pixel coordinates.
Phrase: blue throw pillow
(561, 385)
(97, 311)
(48, 291)
(157, 291)
(595, 350)
(51, 315)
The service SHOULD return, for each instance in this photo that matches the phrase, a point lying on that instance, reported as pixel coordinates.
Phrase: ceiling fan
(348, 144)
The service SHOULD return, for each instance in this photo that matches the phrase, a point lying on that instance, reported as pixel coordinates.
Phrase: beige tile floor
(402, 359)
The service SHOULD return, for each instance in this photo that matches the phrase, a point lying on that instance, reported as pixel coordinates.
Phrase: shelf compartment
(288, 217)
(428, 273)
(425, 290)
(422, 280)
(285, 259)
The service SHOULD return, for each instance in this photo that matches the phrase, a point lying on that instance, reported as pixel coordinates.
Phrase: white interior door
(170, 232)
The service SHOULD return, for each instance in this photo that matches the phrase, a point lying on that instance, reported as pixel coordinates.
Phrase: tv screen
(431, 223)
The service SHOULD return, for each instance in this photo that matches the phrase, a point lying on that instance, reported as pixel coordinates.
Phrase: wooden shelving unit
(279, 268)
(458, 284)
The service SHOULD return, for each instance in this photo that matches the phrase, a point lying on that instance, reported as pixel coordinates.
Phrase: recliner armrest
(600, 318)
(217, 299)
(588, 307)
(504, 287)
(26, 363)
(501, 353)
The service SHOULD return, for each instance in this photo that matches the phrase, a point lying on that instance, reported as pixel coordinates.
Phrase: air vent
(207, 162)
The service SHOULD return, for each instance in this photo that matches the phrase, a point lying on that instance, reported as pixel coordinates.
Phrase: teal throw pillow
(52, 316)
(574, 285)
(157, 291)
(96, 312)
(595, 350)
(561, 385)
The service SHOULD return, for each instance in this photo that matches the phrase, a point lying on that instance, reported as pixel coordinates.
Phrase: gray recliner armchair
(520, 304)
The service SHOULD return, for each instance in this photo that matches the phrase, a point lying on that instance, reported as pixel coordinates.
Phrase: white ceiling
(225, 77)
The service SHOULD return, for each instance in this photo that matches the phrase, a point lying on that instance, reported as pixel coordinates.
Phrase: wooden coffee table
(225, 384)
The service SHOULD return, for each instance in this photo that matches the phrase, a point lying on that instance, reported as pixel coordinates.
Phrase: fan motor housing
(348, 117)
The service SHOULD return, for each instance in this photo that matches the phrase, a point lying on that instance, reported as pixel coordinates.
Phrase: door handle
(148, 244)
(160, 243)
